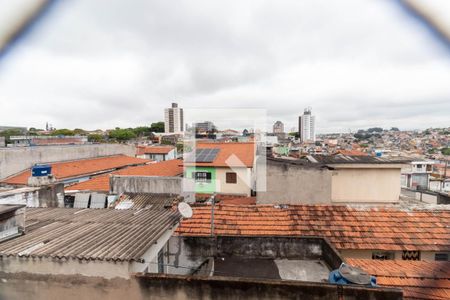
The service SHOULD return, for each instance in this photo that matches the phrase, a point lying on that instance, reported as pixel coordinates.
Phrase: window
(231, 177)
(202, 176)
(383, 255)
(441, 257)
(411, 255)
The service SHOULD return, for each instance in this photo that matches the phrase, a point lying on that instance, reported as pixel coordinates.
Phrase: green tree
(157, 127)
(96, 138)
(445, 151)
(79, 131)
(10, 132)
(63, 131)
(122, 134)
(142, 131)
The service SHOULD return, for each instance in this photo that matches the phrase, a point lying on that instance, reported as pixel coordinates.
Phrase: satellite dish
(185, 210)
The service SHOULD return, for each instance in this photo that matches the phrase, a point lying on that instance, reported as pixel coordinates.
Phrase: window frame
(234, 181)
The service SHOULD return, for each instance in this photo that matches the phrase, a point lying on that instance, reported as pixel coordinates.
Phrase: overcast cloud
(107, 63)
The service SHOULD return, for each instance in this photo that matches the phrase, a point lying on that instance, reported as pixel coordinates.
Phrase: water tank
(41, 170)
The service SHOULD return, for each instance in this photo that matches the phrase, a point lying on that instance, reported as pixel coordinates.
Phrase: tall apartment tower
(307, 126)
(173, 119)
(278, 127)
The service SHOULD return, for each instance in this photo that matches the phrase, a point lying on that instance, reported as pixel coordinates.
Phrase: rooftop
(345, 227)
(80, 168)
(154, 149)
(101, 183)
(418, 279)
(90, 234)
(230, 154)
(6, 208)
(347, 159)
(145, 200)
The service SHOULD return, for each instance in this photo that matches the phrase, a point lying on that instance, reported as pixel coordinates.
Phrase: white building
(173, 119)
(306, 126)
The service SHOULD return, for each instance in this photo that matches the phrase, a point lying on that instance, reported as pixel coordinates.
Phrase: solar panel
(203, 155)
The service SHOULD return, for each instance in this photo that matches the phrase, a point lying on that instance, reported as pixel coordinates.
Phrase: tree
(375, 129)
(157, 127)
(142, 131)
(63, 132)
(96, 138)
(122, 135)
(445, 151)
(10, 132)
(395, 129)
(79, 131)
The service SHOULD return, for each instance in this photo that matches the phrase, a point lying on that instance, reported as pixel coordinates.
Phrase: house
(331, 179)
(221, 168)
(156, 153)
(106, 243)
(417, 174)
(359, 232)
(101, 183)
(75, 171)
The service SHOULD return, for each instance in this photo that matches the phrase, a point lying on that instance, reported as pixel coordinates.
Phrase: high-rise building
(173, 119)
(278, 127)
(206, 126)
(306, 126)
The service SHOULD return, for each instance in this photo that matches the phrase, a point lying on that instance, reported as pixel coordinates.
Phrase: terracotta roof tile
(79, 168)
(101, 183)
(245, 152)
(383, 229)
(154, 149)
(418, 279)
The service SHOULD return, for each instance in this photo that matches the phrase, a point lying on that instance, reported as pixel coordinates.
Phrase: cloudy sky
(107, 63)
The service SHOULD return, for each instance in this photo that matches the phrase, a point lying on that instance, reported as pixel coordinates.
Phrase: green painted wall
(203, 187)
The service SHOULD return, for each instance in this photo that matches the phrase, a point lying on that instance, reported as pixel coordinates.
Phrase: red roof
(153, 150)
(344, 227)
(230, 154)
(101, 183)
(79, 168)
(352, 153)
(418, 279)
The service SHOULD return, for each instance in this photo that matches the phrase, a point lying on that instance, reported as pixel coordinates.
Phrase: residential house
(157, 153)
(69, 172)
(221, 168)
(331, 179)
(416, 175)
(101, 183)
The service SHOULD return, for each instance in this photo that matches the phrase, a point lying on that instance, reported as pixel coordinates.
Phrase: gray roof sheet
(146, 200)
(91, 234)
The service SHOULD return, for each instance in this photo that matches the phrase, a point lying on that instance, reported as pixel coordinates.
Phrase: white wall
(243, 185)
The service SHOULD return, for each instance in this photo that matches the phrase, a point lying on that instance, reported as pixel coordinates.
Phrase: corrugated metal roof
(90, 234)
(145, 200)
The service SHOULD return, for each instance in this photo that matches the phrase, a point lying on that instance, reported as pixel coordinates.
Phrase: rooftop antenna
(185, 210)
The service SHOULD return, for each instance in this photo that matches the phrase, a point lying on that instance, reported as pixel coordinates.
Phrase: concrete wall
(294, 184)
(150, 184)
(14, 160)
(45, 196)
(48, 266)
(155, 286)
(186, 254)
(366, 185)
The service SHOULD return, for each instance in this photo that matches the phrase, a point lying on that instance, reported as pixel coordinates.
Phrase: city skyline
(395, 79)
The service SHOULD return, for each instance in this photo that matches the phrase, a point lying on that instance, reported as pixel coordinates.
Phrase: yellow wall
(365, 185)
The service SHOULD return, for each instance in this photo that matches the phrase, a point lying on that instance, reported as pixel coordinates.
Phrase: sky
(108, 63)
